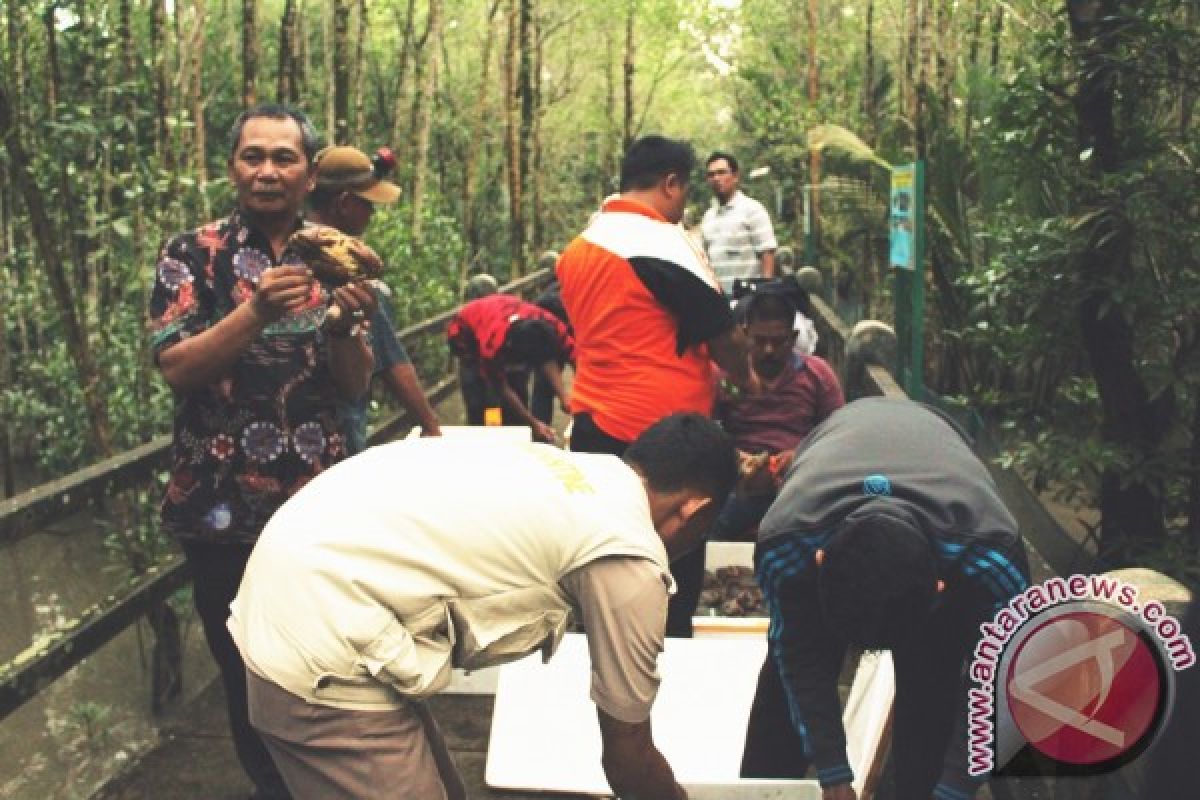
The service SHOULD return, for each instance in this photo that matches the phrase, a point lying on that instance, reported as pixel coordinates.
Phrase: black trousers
(478, 396)
(541, 405)
(688, 571)
(930, 696)
(216, 574)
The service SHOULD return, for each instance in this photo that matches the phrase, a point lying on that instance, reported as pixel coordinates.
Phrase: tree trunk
(1187, 92)
(607, 155)
(425, 117)
(398, 140)
(16, 56)
(1130, 504)
(869, 74)
(1194, 465)
(475, 144)
(972, 63)
(537, 228)
(908, 83)
(249, 54)
(525, 94)
(7, 281)
(629, 67)
(158, 44)
(166, 670)
(947, 57)
(814, 156)
(516, 221)
(360, 81)
(286, 78)
(340, 129)
(55, 82)
(920, 95)
(302, 51)
(45, 237)
(997, 35)
(196, 88)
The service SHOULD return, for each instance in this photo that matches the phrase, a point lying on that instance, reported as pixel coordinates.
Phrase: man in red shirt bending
(500, 334)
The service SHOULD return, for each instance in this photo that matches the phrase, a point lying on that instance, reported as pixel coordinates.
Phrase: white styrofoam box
(545, 736)
(478, 681)
(728, 554)
(754, 789)
(515, 433)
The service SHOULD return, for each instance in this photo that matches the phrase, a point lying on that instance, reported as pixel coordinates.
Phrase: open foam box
(728, 554)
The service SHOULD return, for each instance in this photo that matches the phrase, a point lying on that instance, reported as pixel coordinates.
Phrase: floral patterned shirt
(246, 443)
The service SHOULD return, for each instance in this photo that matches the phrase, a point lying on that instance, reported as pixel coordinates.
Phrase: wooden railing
(1061, 551)
(145, 596)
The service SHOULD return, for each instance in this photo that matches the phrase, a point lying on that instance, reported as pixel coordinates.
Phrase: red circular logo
(1084, 688)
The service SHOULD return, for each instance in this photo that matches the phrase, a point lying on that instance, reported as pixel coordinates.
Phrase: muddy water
(94, 720)
(96, 717)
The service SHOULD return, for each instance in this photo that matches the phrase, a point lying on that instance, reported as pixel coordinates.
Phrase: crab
(335, 258)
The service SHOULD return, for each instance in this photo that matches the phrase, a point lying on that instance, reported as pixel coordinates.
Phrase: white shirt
(735, 233)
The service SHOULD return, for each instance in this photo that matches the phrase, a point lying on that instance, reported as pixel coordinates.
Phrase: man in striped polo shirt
(736, 229)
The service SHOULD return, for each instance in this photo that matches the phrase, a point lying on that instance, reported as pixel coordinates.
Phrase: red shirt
(480, 327)
(804, 394)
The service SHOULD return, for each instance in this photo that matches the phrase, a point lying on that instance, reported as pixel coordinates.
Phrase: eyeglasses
(712, 173)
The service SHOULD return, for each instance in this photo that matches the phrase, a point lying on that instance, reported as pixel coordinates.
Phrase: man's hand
(356, 303)
(543, 432)
(754, 474)
(842, 791)
(779, 464)
(632, 764)
(282, 290)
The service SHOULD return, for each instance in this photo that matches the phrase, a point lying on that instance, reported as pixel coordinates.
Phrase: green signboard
(907, 258)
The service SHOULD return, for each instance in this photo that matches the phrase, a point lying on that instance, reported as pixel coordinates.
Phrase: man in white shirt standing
(736, 229)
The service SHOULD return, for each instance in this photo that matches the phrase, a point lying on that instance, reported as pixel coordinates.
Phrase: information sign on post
(903, 212)
(907, 258)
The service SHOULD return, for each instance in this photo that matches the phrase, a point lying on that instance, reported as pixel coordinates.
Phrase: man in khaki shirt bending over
(377, 578)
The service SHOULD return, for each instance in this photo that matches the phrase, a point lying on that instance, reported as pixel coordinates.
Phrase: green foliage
(133, 536)
(90, 721)
(423, 277)
(1045, 208)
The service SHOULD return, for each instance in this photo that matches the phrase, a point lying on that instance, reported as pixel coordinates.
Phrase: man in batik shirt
(239, 331)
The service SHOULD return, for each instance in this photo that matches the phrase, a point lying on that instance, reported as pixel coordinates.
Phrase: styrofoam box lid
(728, 554)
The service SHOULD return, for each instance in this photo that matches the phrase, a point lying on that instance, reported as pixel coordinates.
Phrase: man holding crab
(240, 332)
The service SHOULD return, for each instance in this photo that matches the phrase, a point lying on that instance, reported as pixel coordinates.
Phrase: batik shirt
(247, 442)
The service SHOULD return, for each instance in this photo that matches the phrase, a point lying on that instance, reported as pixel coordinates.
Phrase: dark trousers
(478, 395)
(542, 403)
(216, 574)
(929, 698)
(688, 571)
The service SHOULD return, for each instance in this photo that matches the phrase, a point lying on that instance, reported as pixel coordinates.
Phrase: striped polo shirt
(735, 233)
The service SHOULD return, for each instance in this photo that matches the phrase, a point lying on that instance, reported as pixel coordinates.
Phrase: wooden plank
(20, 515)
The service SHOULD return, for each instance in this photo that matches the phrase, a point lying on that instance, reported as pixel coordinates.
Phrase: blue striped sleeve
(807, 656)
